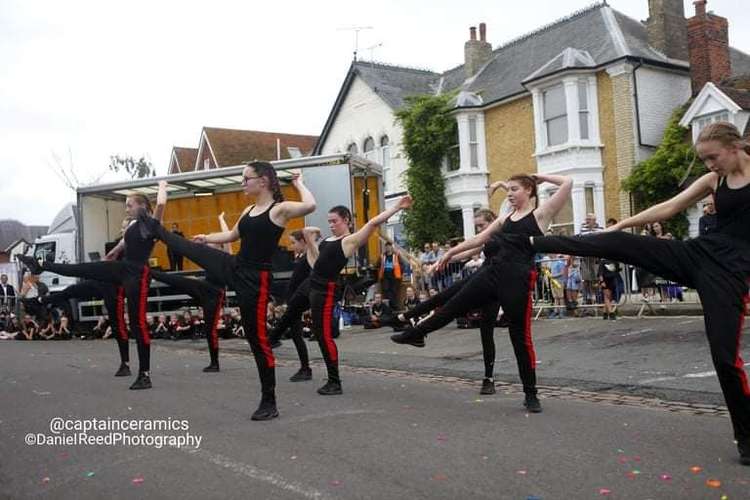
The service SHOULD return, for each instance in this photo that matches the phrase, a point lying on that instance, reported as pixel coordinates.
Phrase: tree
(429, 132)
(667, 172)
(136, 169)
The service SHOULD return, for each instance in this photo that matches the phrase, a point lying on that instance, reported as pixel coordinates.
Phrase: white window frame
(546, 120)
(206, 163)
(589, 110)
(473, 142)
(701, 122)
(385, 161)
(369, 153)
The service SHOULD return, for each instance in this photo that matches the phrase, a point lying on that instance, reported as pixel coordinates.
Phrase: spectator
(63, 329)
(162, 330)
(378, 311)
(100, 329)
(707, 222)
(29, 328)
(183, 327)
(589, 264)
(11, 329)
(557, 270)
(175, 259)
(411, 298)
(31, 292)
(46, 331)
(7, 293)
(573, 284)
(199, 325)
(390, 274)
(608, 272)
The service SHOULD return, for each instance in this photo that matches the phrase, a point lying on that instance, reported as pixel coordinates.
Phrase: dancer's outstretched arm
(668, 209)
(161, 201)
(547, 210)
(470, 245)
(227, 247)
(355, 240)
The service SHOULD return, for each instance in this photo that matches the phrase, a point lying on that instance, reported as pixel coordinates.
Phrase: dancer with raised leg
(297, 303)
(330, 257)
(509, 279)
(132, 273)
(717, 264)
(259, 229)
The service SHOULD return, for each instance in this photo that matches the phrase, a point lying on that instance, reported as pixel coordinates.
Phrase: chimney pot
(700, 8)
(483, 32)
(473, 33)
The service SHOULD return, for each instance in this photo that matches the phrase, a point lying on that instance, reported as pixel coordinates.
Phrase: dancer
(717, 264)
(297, 303)
(259, 229)
(482, 220)
(132, 273)
(330, 257)
(509, 279)
(210, 294)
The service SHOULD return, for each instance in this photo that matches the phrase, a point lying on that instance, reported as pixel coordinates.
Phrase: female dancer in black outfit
(259, 229)
(482, 220)
(717, 265)
(297, 302)
(132, 273)
(330, 258)
(209, 294)
(509, 279)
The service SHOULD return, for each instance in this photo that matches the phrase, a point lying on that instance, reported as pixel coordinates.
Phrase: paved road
(397, 432)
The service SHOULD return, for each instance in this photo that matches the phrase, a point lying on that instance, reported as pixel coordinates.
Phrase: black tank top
(489, 250)
(331, 260)
(733, 211)
(137, 248)
(525, 226)
(300, 272)
(259, 238)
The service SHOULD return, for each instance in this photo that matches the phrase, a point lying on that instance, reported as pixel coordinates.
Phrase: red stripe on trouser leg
(122, 330)
(214, 335)
(333, 353)
(142, 299)
(738, 363)
(527, 321)
(260, 318)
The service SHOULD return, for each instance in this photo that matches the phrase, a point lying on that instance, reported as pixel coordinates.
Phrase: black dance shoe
(123, 371)
(142, 382)
(267, 409)
(410, 336)
(532, 403)
(331, 389)
(488, 387)
(31, 264)
(301, 375)
(212, 368)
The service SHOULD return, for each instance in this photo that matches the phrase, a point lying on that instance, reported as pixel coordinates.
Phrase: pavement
(628, 413)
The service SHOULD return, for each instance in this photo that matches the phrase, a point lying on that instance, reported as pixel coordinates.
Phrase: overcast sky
(82, 80)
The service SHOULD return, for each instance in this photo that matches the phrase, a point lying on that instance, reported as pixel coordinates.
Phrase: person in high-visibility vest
(389, 275)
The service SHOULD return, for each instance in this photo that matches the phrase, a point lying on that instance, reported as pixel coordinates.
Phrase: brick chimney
(666, 28)
(708, 40)
(476, 52)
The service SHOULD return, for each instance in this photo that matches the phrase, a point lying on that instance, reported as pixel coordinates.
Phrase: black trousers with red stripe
(252, 286)
(716, 266)
(291, 320)
(209, 297)
(114, 303)
(323, 297)
(486, 324)
(135, 279)
(506, 284)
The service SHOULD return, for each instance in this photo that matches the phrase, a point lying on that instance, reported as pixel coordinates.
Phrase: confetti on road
(696, 470)
(522, 472)
(713, 483)
(665, 477)
(442, 437)
(137, 480)
(439, 477)
(335, 482)
(90, 474)
(45, 480)
(604, 491)
(294, 457)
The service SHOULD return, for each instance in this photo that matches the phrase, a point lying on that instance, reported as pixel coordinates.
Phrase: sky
(83, 80)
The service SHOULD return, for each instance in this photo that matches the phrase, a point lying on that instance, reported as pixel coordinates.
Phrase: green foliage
(136, 169)
(664, 174)
(429, 133)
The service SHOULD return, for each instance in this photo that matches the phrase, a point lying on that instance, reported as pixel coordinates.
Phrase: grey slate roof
(600, 32)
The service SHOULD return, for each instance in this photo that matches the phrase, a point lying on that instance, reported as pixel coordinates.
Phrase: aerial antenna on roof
(356, 30)
(372, 48)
